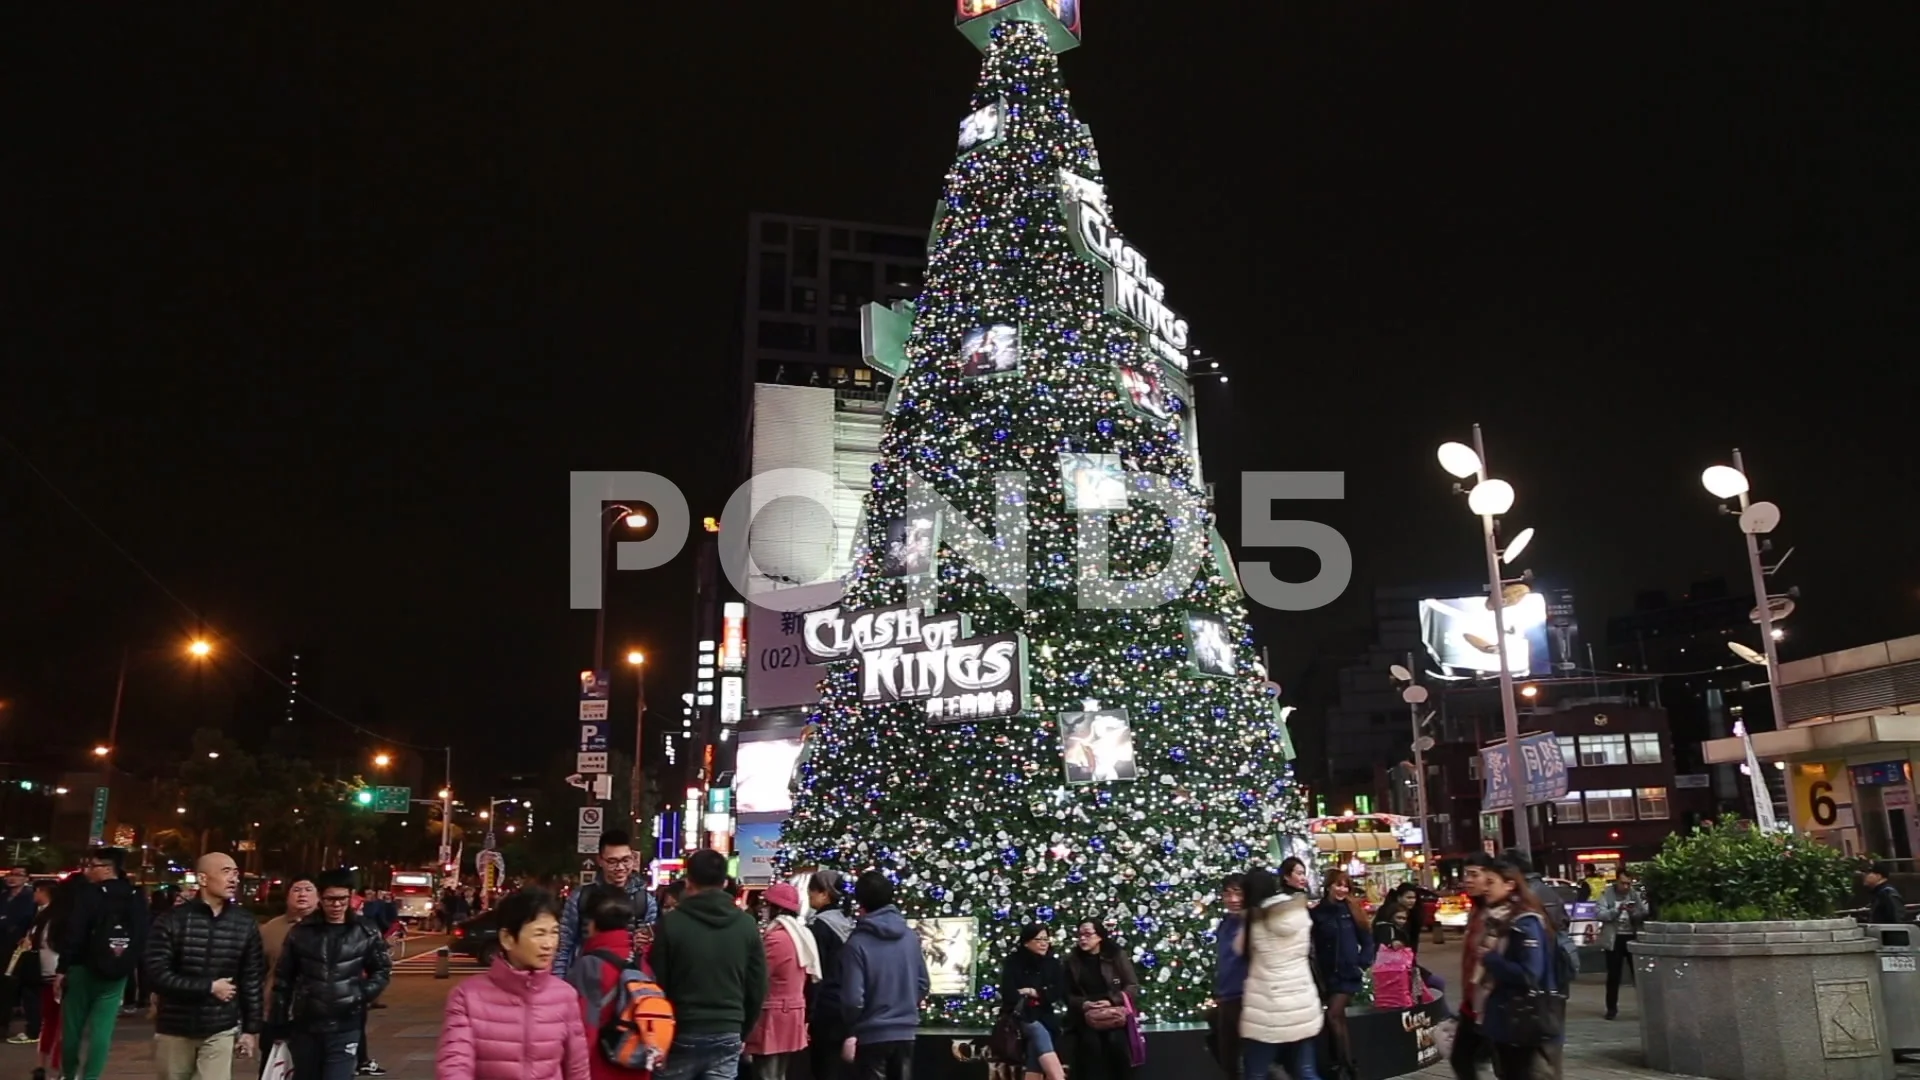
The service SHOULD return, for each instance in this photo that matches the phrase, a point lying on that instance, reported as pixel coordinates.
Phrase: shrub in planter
(1732, 872)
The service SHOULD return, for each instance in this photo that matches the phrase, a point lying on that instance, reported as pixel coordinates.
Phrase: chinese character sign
(1546, 773)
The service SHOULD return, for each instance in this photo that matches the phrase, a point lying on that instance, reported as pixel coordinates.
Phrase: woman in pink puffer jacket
(516, 1022)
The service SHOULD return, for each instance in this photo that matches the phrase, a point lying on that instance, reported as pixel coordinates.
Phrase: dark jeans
(1617, 960)
(1258, 1059)
(324, 1056)
(1470, 1048)
(823, 1050)
(701, 1057)
(883, 1061)
(1225, 1023)
(362, 1056)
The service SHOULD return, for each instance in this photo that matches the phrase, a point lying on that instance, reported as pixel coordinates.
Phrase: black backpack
(110, 949)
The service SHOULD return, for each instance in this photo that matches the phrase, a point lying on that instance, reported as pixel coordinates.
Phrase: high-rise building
(814, 409)
(807, 280)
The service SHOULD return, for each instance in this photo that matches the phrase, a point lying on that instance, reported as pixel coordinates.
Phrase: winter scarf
(1494, 925)
(804, 947)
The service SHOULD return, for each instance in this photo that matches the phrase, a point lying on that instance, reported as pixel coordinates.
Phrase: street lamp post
(638, 660)
(1756, 520)
(446, 815)
(635, 519)
(1489, 498)
(199, 649)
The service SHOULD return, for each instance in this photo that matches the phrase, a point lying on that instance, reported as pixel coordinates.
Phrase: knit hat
(784, 896)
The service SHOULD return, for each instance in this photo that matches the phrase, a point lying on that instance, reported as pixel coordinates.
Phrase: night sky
(313, 313)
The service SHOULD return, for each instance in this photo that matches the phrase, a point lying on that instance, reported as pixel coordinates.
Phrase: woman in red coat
(792, 959)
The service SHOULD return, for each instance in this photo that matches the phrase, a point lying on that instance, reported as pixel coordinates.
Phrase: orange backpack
(639, 1029)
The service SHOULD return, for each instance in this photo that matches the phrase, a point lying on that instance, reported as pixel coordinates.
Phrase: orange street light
(199, 648)
(637, 520)
(636, 657)
(1529, 692)
(101, 751)
(382, 760)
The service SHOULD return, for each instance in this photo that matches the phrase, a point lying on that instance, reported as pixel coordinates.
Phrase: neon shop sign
(907, 655)
(1133, 292)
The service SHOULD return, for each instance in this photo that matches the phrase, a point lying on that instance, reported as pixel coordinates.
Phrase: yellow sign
(1819, 790)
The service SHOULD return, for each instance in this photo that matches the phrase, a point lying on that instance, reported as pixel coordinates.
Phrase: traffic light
(364, 797)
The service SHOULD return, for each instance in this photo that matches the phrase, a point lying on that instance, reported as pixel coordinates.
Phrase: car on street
(478, 937)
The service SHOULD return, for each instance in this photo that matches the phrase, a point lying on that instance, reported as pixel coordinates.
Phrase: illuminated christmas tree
(1041, 700)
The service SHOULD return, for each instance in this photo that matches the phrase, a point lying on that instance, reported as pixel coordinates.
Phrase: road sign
(593, 710)
(593, 736)
(592, 820)
(96, 834)
(576, 780)
(391, 800)
(592, 763)
(603, 787)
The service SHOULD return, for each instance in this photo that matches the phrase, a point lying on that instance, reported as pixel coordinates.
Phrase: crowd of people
(682, 983)
(1291, 962)
(588, 989)
(219, 983)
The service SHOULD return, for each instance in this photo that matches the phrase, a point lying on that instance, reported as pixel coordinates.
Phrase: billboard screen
(1541, 635)
(762, 773)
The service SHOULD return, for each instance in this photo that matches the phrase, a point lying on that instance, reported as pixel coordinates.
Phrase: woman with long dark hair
(1343, 947)
(1280, 1006)
(830, 921)
(49, 929)
(1515, 952)
(1100, 979)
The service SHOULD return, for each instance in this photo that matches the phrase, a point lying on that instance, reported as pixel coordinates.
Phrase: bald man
(205, 961)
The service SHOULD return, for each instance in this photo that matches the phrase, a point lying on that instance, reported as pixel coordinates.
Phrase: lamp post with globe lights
(1488, 499)
(1415, 696)
(1757, 519)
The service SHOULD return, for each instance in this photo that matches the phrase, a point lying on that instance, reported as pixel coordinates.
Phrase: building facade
(1849, 748)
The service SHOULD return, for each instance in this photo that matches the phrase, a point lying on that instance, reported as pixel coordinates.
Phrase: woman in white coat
(1280, 1014)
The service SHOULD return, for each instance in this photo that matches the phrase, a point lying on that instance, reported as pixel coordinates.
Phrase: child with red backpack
(628, 1019)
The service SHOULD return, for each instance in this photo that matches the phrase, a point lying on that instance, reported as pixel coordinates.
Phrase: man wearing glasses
(334, 965)
(103, 942)
(619, 871)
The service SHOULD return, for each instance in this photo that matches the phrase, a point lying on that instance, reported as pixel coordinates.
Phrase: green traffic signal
(363, 797)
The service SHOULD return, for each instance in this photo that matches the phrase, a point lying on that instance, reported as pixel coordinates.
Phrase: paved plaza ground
(404, 1034)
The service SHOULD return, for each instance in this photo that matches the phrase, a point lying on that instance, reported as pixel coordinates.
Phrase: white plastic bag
(279, 1063)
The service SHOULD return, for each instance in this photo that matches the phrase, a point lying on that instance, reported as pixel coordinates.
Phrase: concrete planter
(1762, 1000)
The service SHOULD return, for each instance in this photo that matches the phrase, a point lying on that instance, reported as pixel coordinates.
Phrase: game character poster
(1098, 746)
(990, 350)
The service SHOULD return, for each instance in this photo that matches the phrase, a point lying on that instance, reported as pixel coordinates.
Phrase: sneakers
(371, 1068)
(23, 1039)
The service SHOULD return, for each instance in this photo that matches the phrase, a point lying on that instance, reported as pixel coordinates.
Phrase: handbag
(1008, 1043)
(1108, 1017)
(1136, 1039)
(1539, 1016)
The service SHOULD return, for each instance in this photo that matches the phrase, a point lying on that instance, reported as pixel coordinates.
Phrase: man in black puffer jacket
(205, 961)
(332, 967)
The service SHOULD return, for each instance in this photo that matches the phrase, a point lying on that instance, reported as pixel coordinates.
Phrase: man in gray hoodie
(883, 979)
